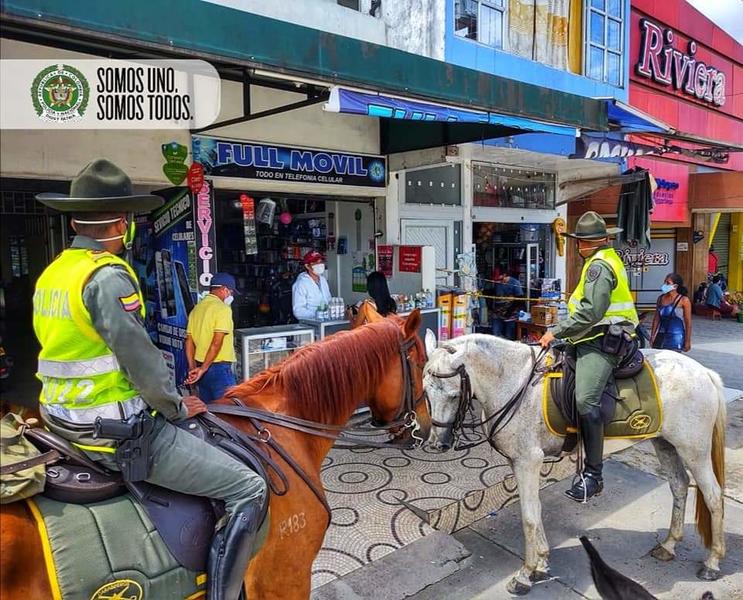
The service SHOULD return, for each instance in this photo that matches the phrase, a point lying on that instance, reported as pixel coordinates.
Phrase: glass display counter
(261, 347)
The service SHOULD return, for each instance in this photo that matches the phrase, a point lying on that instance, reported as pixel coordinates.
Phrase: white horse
(692, 435)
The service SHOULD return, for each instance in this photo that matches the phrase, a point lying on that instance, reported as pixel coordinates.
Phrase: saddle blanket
(638, 415)
(109, 550)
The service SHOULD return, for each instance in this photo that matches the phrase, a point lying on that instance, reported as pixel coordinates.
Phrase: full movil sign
(663, 63)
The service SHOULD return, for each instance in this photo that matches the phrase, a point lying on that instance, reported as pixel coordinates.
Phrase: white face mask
(229, 300)
(318, 269)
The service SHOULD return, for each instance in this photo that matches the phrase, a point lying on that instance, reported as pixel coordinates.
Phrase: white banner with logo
(108, 94)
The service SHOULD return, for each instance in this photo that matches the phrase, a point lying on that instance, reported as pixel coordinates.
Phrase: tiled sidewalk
(385, 499)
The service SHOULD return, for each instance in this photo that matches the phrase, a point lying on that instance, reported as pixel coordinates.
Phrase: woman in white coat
(310, 290)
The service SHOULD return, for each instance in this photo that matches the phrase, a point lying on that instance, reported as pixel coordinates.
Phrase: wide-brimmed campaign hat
(101, 187)
(591, 226)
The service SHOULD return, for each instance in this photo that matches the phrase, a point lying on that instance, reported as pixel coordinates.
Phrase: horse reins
(405, 418)
(500, 418)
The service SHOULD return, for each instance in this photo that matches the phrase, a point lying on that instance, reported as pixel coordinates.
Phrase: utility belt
(133, 443)
(610, 339)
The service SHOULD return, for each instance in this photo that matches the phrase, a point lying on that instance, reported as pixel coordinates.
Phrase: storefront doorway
(523, 251)
(30, 237)
(265, 253)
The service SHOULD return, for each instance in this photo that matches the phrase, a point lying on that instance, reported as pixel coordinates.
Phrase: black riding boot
(231, 549)
(592, 432)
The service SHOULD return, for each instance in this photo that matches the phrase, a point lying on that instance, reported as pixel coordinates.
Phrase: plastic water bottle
(562, 311)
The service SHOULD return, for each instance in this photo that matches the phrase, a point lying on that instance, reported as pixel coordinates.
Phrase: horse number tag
(294, 524)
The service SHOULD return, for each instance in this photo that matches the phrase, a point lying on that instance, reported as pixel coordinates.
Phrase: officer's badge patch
(593, 273)
(131, 302)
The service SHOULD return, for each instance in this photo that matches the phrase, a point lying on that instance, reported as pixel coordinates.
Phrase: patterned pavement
(384, 499)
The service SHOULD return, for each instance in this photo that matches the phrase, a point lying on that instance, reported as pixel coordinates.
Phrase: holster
(614, 341)
(133, 443)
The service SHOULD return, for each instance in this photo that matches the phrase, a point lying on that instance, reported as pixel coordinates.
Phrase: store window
(509, 187)
(481, 20)
(605, 40)
(438, 185)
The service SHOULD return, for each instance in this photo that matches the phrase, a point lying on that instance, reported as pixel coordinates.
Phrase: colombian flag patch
(130, 303)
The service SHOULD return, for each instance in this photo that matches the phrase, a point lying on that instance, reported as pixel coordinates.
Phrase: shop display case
(261, 347)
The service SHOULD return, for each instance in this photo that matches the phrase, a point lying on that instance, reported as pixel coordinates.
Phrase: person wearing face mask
(672, 321)
(601, 316)
(97, 364)
(210, 348)
(310, 289)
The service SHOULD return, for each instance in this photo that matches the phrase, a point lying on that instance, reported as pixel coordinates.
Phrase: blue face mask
(667, 287)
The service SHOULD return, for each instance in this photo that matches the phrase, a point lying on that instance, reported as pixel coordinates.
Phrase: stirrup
(585, 486)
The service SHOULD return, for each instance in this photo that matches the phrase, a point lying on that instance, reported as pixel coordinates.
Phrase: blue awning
(629, 119)
(345, 100)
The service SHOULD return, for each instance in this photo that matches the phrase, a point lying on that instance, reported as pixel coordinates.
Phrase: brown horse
(367, 313)
(323, 382)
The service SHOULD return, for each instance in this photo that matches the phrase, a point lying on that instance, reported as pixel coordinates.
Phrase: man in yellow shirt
(210, 349)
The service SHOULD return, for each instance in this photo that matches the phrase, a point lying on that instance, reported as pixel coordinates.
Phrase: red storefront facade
(687, 73)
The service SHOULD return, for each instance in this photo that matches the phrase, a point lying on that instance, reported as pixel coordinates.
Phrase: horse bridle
(406, 418)
(500, 418)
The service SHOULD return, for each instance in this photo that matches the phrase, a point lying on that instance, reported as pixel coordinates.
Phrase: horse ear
(431, 342)
(412, 323)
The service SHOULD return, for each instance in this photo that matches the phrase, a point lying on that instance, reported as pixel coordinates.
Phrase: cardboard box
(544, 315)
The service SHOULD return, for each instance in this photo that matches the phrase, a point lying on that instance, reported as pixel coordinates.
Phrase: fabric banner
(596, 147)
(343, 100)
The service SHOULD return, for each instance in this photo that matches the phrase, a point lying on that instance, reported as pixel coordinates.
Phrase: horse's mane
(325, 380)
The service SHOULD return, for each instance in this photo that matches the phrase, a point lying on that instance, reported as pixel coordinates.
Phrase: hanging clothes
(634, 209)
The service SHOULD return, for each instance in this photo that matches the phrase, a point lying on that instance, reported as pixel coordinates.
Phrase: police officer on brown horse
(98, 365)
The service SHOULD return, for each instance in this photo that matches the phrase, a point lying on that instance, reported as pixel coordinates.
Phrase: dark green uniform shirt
(600, 281)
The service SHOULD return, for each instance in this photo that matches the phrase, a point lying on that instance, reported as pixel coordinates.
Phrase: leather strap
(46, 458)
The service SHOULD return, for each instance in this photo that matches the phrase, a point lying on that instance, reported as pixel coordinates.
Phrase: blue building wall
(472, 54)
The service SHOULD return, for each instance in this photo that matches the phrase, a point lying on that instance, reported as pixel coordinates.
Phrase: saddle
(562, 388)
(185, 523)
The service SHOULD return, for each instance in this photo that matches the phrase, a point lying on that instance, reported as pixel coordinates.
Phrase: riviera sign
(660, 62)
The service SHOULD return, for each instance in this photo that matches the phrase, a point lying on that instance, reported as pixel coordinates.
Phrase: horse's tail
(703, 516)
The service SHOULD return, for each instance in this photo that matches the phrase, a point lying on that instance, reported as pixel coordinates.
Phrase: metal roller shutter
(721, 243)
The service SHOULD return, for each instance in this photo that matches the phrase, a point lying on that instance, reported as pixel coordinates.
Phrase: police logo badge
(60, 93)
(640, 422)
(593, 273)
(121, 589)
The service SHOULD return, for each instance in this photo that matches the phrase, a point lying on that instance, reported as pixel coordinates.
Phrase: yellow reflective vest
(76, 367)
(621, 303)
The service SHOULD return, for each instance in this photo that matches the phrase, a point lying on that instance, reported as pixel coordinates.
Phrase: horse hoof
(517, 588)
(660, 553)
(707, 574)
(538, 576)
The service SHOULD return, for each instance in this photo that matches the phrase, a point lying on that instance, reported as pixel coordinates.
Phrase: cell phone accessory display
(248, 209)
